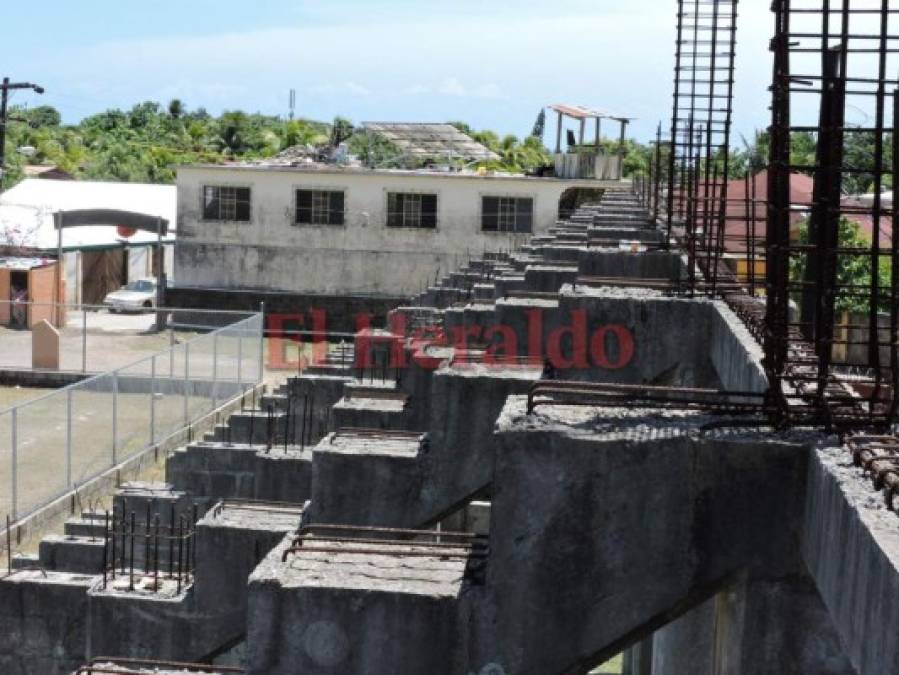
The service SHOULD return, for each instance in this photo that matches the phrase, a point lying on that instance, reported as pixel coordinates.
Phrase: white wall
(363, 256)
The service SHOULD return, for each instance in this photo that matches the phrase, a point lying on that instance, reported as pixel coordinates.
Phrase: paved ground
(111, 341)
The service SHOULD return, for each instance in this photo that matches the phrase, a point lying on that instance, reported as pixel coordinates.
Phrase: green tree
(341, 130)
(176, 108)
(851, 269)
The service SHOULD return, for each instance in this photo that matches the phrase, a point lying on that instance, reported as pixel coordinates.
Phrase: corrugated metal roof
(431, 140)
(25, 264)
(26, 211)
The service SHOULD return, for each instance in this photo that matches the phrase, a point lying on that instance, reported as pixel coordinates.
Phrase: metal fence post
(186, 379)
(215, 368)
(261, 342)
(15, 461)
(68, 438)
(152, 400)
(240, 354)
(115, 417)
(83, 339)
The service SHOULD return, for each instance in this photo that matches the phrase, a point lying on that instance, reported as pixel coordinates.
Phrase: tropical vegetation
(148, 142)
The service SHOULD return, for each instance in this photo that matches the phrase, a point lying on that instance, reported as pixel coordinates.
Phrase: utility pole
(5, 88)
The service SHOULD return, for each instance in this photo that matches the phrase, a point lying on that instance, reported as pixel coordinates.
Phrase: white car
(136, 296)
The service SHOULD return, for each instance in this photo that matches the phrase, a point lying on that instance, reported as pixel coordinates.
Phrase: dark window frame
(226, 204)
(412, 210)
(507, 214)
(313, 213)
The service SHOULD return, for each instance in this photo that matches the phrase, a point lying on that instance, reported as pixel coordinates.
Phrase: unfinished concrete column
(559, 134)
(638, 659)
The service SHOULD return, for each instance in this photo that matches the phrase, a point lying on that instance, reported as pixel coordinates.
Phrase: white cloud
(452, 87)
(351, 88)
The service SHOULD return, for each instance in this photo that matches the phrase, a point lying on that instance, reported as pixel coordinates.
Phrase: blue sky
(491, 63)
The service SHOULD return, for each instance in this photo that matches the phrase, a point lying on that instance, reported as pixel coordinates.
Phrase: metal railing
(51, 445)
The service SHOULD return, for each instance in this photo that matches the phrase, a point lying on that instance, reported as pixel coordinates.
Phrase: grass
(10, 396)
(615, 666)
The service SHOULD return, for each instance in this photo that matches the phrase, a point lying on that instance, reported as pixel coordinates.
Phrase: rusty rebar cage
(649, 184)
(698, 164)
(149, 550)
(831, 276)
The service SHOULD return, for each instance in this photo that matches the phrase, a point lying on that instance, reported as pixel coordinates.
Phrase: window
(319, 207)
(226, 203)
(507, 214)
(411, 210)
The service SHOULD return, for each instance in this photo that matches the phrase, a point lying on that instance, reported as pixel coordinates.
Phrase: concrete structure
(269, 250)
(643, 507)
(44, 346)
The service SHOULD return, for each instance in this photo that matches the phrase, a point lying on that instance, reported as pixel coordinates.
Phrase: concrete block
(608, 519)
(361, 480)
(232, 538)
(43, 622)
(851, 546)
(333, 612)
(67, 553)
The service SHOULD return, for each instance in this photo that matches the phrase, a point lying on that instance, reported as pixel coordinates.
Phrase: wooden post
(598, 133)
(580, 135)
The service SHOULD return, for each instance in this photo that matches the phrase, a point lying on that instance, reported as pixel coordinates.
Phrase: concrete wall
(851, 546)
(363, 255)
(755, 626)
(608, 533)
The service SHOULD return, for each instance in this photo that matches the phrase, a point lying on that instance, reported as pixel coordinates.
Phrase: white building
(98, 258)
(328, 229)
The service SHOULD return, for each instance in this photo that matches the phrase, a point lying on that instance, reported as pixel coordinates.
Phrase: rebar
(834, 60)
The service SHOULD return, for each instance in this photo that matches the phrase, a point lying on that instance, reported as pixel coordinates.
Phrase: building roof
(26, 212)
(580, 112)
(431, 140)
(46, 171)
(315, 168)
(740, 214)
(22, 263)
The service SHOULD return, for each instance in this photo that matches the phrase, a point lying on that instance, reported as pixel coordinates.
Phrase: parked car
(135, 296)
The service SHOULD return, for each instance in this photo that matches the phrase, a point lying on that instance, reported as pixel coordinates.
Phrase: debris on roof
(431, 140)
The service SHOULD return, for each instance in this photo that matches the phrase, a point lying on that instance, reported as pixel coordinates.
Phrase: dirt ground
(10, 396)
(41, 433)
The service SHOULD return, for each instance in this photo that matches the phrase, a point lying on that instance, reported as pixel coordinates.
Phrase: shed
(97, 258)
(28, 280)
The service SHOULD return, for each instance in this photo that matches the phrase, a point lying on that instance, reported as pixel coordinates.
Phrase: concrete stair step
(22, 561)
(84, 527)
(65, 553)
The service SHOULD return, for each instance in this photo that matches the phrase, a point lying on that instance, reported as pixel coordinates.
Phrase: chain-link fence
(95, 338)
(53, 444)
